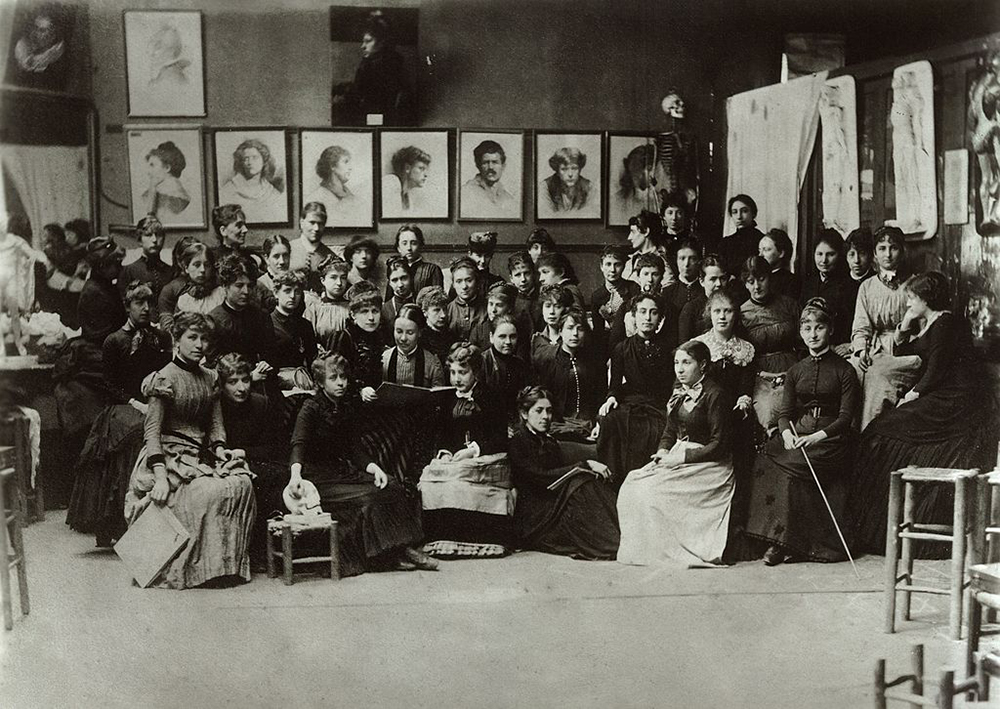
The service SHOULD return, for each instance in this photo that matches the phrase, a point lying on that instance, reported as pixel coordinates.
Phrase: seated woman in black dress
(642, 379)
(946, 420)
(361, 341)
(578, 517)
(294, 347)
(819, 402)
(377, 525)
(104, 467)
(503, 371)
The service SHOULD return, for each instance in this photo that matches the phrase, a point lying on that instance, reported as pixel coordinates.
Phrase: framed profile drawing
(166, 175)
(491, 175)
(568, 174)
(415, 174)
(630, 185)
(164, 63)
(251, 170)
(337, 168)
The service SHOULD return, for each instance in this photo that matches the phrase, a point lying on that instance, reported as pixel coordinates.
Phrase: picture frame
(491, 190)
(42, 46)
(251, 170)
(555, 198)
(337, 168)
(167, 175)
(410, 192)
(629, 184)
(164, 63)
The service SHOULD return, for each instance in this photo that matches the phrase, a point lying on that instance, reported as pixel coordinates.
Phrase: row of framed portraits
(390, 174)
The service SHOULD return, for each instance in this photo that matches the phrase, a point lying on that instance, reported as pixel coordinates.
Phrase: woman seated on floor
(186, 466)
(466, 490)
(675, 509)
(572, 516)
(116, 436)
(947, 419)
(819, 402)
(378, 525)
(642, 381)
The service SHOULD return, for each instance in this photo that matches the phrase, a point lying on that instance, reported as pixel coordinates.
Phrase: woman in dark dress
(830, 280)
(736, 248)
(116, 437)
(377, 524)
(946, 420)
(503, 370)
(361, 342)
(820, 400)
(642, 369)
(578, 518)
(294, 347)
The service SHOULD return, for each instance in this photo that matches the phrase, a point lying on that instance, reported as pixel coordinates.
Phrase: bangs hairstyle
(755, 267)
(650, 260)
(633, 304)
(505, 319)
(331, 363)
(334, 264)
(465, 354)
(274, 240)
(149, 225)
(816, 310)
(359, 242)
(615, 251)
(502, 291)
(557, 294)
(483, 243)
(697, 350)
(860, 240)
(199, 322)
(363, 295)
(745, 199)
(712, 261)
(186, 251)
(542, 237)
(519, 258)
(531, 395)
(413, 229)
(397, 262)
(726, 295)
(675, 200)
(431, 296)
(463, 262)
(577, 317)
(892, 234)
(290, 279)
(414, 314)
(231, 365)
(137, 291)
(231, 268)
(933, 288)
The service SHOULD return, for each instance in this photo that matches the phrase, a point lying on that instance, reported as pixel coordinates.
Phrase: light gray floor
(531, 630)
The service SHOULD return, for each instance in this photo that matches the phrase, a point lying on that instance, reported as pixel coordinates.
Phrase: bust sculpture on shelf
(676, 169)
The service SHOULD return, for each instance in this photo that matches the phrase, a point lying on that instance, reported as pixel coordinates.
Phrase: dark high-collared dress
(821, 393)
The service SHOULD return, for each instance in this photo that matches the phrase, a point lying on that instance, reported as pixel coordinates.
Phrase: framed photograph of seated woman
(166, 175)
(569, 169)
(251, 170)
(629, 179)
(415, 174)
(491, 176)
(337, 168)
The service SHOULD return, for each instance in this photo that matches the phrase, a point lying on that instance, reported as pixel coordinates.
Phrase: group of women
(242, 388)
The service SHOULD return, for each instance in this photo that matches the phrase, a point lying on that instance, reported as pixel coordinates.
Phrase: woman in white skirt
(675, 509)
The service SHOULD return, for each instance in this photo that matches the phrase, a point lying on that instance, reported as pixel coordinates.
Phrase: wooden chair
(288, 531)
(12, 547)
(903, 529)
(984, 592)
(947, 687)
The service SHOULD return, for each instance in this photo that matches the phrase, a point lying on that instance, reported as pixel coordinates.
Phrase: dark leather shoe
(774, 555)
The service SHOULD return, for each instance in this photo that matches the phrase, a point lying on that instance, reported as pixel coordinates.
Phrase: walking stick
(827, 503)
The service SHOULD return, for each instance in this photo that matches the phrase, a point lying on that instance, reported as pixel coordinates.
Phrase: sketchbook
(152, 543)
(578, 470)
(390, 394)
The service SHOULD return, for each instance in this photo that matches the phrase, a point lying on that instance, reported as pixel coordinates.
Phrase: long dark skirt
(102, 474)
(740, 546)
(581, 521)
(786, 507)
(629, 435)
(370, 522)
(401, 441)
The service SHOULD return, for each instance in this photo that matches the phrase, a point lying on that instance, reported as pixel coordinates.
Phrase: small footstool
(288, 531)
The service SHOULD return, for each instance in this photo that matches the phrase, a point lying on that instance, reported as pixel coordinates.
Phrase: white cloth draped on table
(771, 132)
(53, 182)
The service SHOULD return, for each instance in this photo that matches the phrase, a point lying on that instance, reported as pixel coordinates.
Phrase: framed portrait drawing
(337, 168)
(629, 179)
(568, 176)
(41, 49)
(164, 63)
(415, 174)
(166, 175)
(251, 170)
(491, 176)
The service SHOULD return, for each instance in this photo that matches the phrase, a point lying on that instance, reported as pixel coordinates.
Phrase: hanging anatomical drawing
(912, 120)
(984, 136)
(838, 115)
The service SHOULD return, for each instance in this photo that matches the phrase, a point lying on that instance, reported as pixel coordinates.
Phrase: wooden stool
(29, 497)
(288, 532)
(984, 592)
(947, 687)
(11, 538)
(902, 484)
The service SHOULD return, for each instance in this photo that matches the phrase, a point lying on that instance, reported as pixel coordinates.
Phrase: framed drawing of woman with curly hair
(251, 171)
